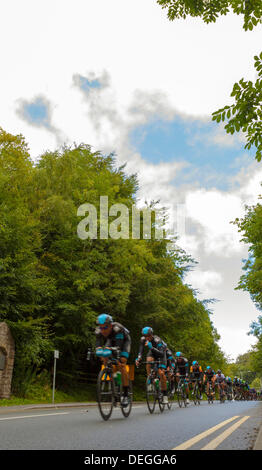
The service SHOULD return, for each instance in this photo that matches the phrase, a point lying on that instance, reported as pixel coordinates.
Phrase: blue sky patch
(36, 112)
(86, 84)
(211, 162)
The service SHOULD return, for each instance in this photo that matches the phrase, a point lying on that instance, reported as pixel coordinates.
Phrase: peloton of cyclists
(112, 334)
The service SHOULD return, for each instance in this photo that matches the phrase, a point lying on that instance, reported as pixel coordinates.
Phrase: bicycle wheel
(170, 396)
(198, 395)
(105, 394)
(160, 401)
(179, 396)
(195, 394)
(127, 409)
(184, 398)
(151, 395)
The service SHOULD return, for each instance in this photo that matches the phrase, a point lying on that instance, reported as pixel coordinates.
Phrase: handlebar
(115, 349)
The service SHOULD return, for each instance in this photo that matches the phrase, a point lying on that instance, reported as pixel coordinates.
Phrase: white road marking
(215, 442)
(34, 416)
(199, 437)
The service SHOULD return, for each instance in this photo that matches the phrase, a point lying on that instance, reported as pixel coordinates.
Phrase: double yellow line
(217, 441)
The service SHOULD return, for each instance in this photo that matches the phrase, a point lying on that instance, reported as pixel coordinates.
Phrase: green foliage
(251, 280)
(246, 113)
(210, 10)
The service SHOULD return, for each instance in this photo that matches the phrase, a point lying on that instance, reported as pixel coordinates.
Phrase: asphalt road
(236, 427)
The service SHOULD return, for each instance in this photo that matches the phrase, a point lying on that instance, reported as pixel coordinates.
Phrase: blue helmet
(147, 330)
(208, 367)
(178, 354)
(195, 363)
(104, 319)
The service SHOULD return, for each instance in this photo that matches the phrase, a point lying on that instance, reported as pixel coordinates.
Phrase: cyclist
(236, 387)
(209, 380)
(157, 350)
(112, 334)
(182, 369)
(196, 373)
(229, 385)
(220, 380)
(246, 390)
(171, 365)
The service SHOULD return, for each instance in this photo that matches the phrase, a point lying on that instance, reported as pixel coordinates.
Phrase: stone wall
(7, 353)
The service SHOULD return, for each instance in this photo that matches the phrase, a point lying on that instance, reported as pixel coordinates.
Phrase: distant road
(218, 426)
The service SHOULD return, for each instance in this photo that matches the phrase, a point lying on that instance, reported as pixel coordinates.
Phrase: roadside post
(56, 356)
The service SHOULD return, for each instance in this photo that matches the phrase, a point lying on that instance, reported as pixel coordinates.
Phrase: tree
(210, 10)
(246, 113)
(25, 288)
(251, 280)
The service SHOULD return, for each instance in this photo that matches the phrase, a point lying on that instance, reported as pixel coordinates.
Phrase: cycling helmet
(219, 371)
(208, 367)
(147, 330)
(104, 319)
(194, 363)
(178, 354)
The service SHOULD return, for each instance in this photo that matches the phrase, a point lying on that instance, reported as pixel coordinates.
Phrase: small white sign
(56, 354)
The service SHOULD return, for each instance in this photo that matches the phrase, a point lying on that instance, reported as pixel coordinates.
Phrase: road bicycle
(210, 393)
(196, 392)
(222, 394)
(153, 389)
(181, 391)
(109, 387)
(229, 393)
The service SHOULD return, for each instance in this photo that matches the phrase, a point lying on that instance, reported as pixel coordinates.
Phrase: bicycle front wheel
(105, 394)
(170, 396)
(151, 395)
(127, 410)
(195, 394)
(179, 397)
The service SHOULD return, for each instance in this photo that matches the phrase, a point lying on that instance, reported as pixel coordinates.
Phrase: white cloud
(235, 340)
(213, 211)
(207, 282)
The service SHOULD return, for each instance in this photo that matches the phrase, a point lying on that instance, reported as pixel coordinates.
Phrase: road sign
(56, 354)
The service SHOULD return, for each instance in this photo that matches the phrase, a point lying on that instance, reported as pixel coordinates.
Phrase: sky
(119, 76)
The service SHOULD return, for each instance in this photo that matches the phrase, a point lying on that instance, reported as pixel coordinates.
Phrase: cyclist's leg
(124, 373)
(162, 376)
(149, 360)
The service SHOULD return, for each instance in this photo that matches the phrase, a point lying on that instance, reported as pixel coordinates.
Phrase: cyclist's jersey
(210, 374)
(229, 381)
(196, 371)
(182, 366)
(119, 337)
(236, 382)
(220, 378)
(157, 350)
(170, 359)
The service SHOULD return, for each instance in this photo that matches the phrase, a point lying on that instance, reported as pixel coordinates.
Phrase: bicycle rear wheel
(105, 394)
(151, 395)
(127, 410)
